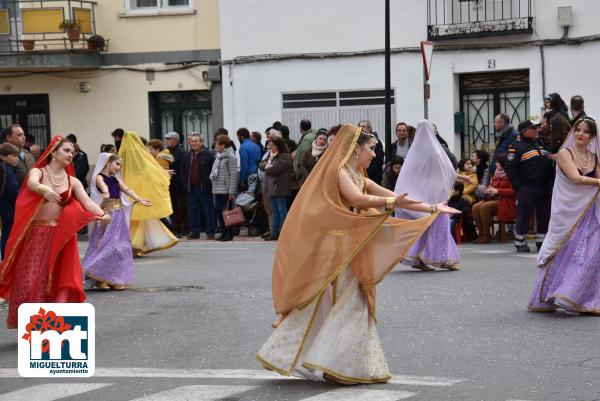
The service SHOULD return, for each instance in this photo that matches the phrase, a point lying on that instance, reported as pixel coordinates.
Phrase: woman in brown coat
(310, 159)
(278, 168)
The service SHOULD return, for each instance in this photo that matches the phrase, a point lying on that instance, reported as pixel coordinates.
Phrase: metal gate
(483, 96)
(183, 112)
(326, 109)
(32, 112)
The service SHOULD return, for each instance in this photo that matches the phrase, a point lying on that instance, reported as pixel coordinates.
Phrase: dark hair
(577, 103)
(460, 188)
(275, 125)
(257, 136)
(402, 123)
(225, 140)
(504, 117)
(501, 160)
(558, 129)
(244, 133)
(397, 160)
(144, 140)
(305, 125)
(106, 148)
(323, 132)
(156, 144)
(483, 156)
(119, 132)
(365, 137)
(6, 132)
(462, 162)
(280, 144)
(29, 139)
(590, 122)
(221, 131)
(71, 138)
(7, 149)
(285, 131)
(334, 130)
(411, 132)
(556, 102)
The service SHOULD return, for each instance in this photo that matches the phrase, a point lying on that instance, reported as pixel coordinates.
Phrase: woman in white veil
(428, 175)
(569, 260)
(109, 257)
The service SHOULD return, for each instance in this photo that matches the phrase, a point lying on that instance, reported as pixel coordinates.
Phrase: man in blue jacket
(9, 190)
(250, 156)
(505, 137)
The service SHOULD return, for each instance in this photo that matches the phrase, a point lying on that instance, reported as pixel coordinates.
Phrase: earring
(356, 156)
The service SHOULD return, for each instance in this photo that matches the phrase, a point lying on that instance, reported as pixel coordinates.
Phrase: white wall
(252, 92)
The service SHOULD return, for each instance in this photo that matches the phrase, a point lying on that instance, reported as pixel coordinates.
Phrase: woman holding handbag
(224, 177)
(278, 169)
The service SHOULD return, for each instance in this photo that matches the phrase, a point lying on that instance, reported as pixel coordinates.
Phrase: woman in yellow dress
(338, 242)
(142, 173)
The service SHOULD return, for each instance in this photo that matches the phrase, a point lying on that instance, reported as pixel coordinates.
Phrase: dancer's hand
(105, 219)
(171, 172)
(105, 195)
(145, 202)
(51, 196)
(445, 209)
(402, 201)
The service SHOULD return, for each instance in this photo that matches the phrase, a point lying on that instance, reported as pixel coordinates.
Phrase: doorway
(32, 112)
(184, 112)
(483, 96)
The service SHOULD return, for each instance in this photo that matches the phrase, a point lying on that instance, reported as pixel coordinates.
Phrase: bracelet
(42, 190)
(371, 200)
(389, 202)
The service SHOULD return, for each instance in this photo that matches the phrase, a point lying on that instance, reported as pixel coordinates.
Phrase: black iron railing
(454, 19)
(34, 25)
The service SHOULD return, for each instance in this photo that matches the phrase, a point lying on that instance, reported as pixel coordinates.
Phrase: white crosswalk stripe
(357, 394)
(51, 391)
(197, 393)
(219, 390)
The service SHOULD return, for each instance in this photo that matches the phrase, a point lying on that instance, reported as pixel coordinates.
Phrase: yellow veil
(322, 236)
(142, 173)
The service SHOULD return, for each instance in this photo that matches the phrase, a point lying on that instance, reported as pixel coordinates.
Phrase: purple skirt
(109, 257)
(571, 280)
(436, 246)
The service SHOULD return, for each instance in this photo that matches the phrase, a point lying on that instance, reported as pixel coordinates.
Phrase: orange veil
(322, 236)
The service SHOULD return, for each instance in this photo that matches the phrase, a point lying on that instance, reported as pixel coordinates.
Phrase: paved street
(199, 312)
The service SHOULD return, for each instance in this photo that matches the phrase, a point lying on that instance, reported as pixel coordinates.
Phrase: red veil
(64, 270)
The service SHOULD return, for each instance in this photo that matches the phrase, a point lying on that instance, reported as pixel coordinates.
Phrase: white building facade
(283, 61)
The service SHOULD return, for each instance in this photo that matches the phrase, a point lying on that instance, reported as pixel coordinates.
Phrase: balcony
(33, 35)
(457, 19)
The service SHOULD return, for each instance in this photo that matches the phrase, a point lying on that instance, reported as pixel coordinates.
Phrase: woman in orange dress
(338, 242)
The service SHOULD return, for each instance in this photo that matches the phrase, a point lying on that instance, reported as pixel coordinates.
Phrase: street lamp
(388, 85)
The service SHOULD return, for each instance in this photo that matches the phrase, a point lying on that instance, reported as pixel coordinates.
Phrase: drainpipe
(543, 72)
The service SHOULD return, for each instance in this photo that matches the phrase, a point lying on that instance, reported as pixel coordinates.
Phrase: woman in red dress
(41, 263)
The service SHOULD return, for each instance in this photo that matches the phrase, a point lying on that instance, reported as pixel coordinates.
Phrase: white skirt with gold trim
(338, 339)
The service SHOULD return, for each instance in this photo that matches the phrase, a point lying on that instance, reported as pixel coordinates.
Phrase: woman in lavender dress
(109, 258)
(569, 260)
(427, 174)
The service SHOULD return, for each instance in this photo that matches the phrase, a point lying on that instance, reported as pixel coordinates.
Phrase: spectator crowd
(262, 177)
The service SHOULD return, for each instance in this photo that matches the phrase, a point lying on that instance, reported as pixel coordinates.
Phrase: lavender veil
(427, 173)
(570, 202)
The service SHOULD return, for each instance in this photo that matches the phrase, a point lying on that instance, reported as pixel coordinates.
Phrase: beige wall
(118, 99)
(159, 33)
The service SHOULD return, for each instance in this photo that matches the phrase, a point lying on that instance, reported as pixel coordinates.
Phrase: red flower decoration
(45, 321)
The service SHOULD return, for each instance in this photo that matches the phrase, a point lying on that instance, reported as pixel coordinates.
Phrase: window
(157, 6)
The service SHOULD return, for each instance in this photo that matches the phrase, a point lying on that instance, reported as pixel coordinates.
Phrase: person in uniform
(530, 173)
